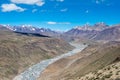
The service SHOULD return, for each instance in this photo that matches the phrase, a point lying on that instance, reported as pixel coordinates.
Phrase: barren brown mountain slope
(18, 52)
(92, 58)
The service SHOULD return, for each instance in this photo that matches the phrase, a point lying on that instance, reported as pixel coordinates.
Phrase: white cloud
(11, 7)
(64, 10)
(34, 10)
(99, 1)
(29, 2)
(53, 23)
(60, 0)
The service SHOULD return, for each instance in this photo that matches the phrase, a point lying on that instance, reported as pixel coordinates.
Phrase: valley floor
(34, 71)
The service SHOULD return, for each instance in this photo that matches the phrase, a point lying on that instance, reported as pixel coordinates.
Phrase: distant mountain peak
(98, 31)
(31, 29)
(98, 27)
(101, 24)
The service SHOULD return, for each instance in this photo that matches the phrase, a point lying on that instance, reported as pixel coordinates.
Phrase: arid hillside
(18, 51)
(91, 59)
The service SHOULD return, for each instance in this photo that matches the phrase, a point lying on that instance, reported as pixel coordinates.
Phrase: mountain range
(31, 29)
(99, 31)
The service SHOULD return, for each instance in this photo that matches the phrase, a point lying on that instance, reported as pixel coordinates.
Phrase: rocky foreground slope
(91, 59)
(110, 72)
(18, 51)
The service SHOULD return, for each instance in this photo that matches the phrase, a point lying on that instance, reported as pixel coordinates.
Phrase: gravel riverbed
(33, 72)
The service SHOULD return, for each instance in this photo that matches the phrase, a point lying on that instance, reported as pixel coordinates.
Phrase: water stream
(33, 72)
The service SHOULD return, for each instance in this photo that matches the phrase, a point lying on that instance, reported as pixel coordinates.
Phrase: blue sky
(59, 14)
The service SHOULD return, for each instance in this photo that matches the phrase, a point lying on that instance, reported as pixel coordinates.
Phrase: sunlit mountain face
(59, 14)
